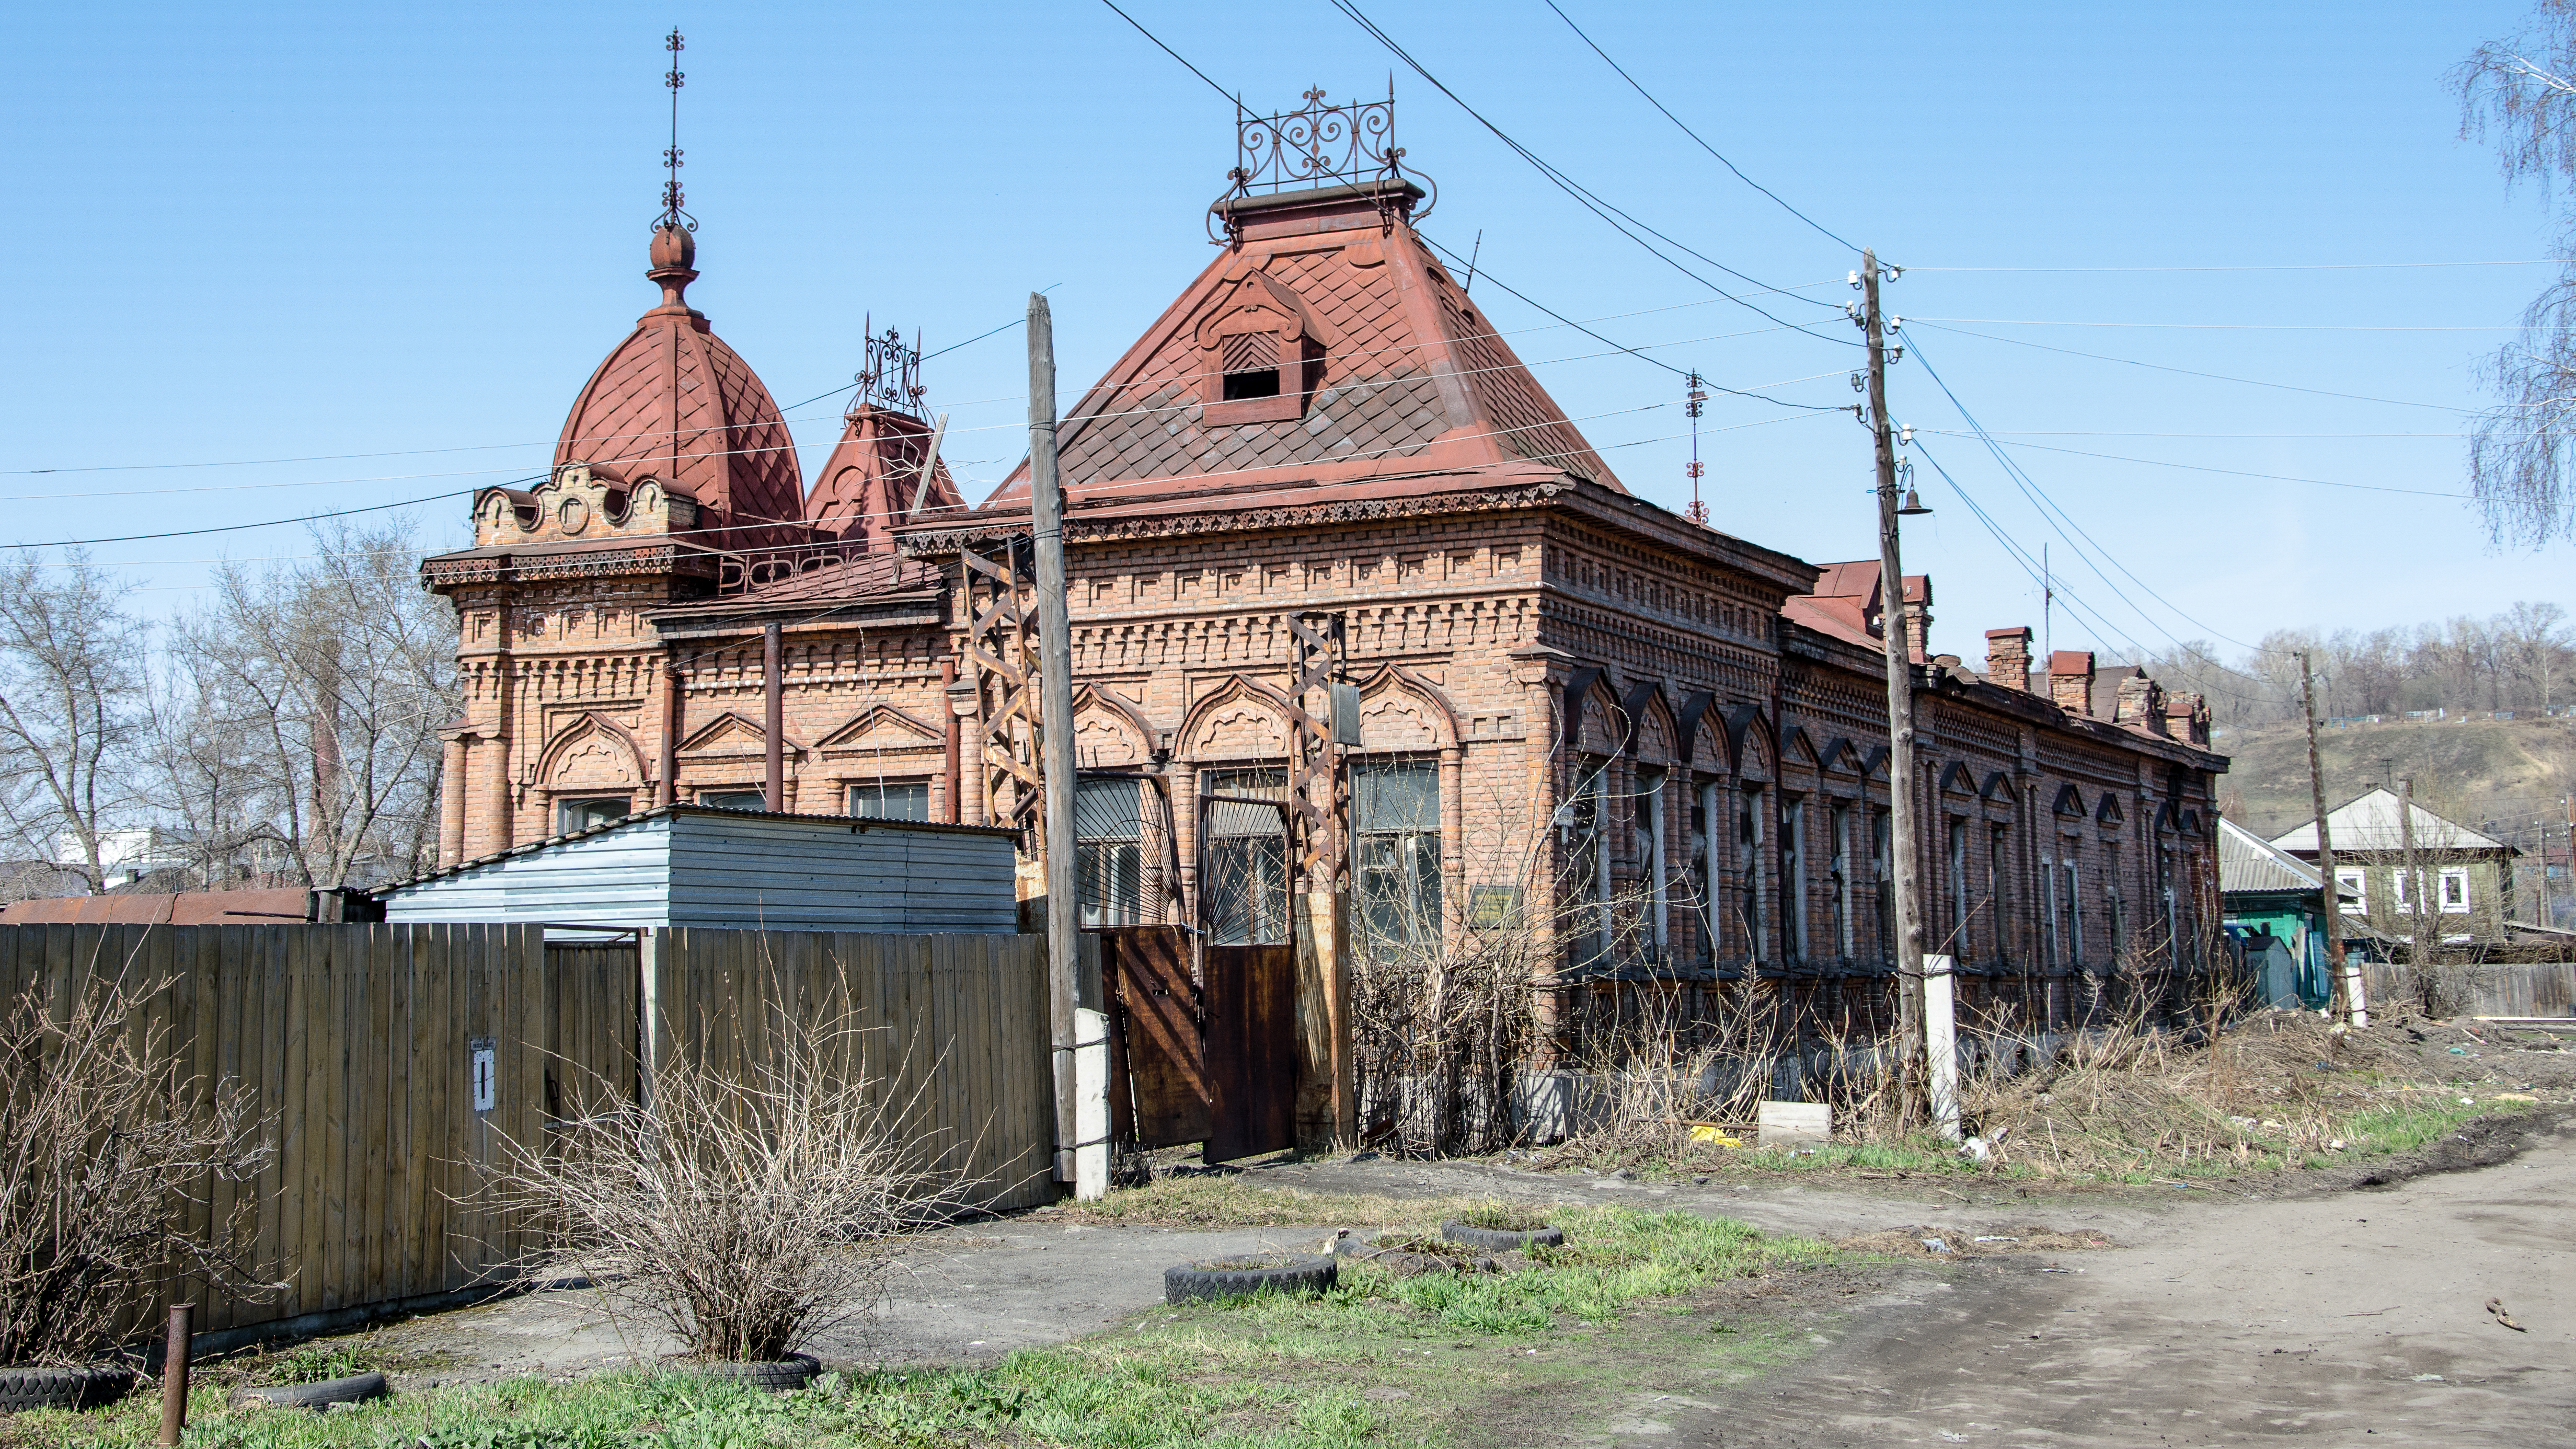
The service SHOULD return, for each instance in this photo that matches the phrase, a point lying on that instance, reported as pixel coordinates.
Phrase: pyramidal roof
(1324, 348)
(873, 479)
(674, 403)
(2370, 821)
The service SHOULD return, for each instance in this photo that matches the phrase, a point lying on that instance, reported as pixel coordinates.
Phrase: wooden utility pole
(1900, 712)
(1080, 1027)
(2347, 977)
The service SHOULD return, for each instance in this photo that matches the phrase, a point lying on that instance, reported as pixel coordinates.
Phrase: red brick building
(1567, 693)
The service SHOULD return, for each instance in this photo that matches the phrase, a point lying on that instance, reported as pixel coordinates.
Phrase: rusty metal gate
(1208, 1058)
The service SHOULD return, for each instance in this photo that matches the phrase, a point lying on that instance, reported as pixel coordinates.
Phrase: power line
(2241, 326)
(1597, 206)
(2230, 472)
(1687, 131)
(1631, 351)
(270, 523)
(2039, 496)
(1174, 54)
(2261, 267)
(2188, 372)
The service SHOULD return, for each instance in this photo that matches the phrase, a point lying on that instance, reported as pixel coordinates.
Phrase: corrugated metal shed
(691, 865)
(2248, 862)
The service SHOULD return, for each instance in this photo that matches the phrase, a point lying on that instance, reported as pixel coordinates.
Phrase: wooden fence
(2517, 990)
(396, 1065)
(950, 1030)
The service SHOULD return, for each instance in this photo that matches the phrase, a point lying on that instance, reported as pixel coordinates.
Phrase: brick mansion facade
(1568, 696)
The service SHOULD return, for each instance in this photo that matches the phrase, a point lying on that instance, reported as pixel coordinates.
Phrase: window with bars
(1999, 889)
(1955, 839)
(1705, 823)
(2074, 908)
(1243, 856)
(1793, 878)
(891, 800)
(1648, 824)
(1882, 855)
(1838, 879)
(1109, 854)
(1748, 852)
(1395, 825)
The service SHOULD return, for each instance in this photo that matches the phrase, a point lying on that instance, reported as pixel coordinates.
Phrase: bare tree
(320, 689)
(71, 695)
(2520, 93)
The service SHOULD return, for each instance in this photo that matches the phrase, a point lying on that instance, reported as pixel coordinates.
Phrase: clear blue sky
(290, 231)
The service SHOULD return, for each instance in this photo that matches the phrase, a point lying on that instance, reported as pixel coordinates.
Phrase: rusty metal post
(773, 722)
(174, 1372)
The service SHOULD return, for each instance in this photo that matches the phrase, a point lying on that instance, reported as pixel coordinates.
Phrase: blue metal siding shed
(691, 865)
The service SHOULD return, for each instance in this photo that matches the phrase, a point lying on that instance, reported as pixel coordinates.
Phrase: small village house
(2463, 880)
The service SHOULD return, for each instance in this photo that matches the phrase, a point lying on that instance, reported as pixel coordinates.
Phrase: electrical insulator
(1854, 279)
(1698, 399)
(1857, 384)
(1905, 435)
(1894, 323)
(1896, 355)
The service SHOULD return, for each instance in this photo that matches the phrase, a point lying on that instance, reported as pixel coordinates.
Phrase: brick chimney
(2141, 702)
(2191, 712)
(2070, 680)
(1918, 614)
(2008, 657)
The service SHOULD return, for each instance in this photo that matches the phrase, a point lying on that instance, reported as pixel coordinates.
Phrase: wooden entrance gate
(1209, 1057)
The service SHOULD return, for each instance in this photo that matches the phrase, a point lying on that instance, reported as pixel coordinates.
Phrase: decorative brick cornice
(643, 560)
(1248, 520)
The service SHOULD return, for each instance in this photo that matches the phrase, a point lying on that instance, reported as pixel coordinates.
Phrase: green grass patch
(1381, 1360)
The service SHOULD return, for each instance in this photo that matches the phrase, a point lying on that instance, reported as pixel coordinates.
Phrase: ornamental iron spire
(674, 217)
(892, 376)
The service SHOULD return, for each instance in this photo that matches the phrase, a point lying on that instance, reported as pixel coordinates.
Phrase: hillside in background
(2499, 776)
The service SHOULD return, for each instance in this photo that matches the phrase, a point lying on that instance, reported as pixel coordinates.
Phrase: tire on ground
(782, 1376)
(63, 1388)
(355, 1389)
(1300, 1273)
(1494, 1240)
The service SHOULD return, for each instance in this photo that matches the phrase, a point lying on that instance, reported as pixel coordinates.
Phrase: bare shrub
(745, 1213)
(102, 1144)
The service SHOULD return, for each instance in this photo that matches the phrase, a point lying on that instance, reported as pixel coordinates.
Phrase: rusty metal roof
(192, 908)
(1407, 376)
(673, 402)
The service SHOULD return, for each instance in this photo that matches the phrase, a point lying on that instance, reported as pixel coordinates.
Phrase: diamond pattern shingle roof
(673, 402)
(1411, 378)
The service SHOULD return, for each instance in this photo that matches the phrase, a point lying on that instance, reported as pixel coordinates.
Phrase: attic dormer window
(1264, 353)
(1251, 361)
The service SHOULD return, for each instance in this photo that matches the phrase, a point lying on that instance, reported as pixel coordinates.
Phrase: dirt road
(2352, 1318)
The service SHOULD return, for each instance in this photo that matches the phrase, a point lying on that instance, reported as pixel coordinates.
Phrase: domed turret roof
(674, 403)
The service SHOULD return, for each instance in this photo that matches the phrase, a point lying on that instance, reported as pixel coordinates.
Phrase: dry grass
(101, 1143)
(2120, 1099)
(743, 1215)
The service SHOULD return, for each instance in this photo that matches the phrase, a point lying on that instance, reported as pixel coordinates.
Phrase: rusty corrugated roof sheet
(193, 908)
